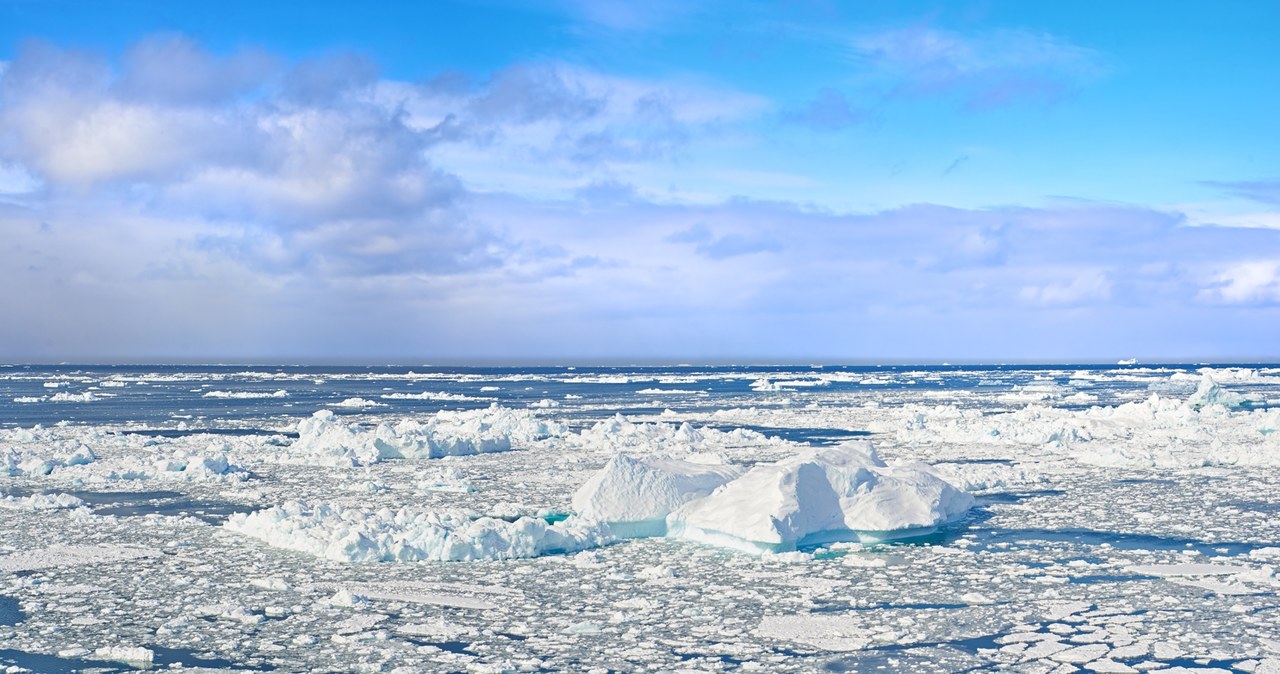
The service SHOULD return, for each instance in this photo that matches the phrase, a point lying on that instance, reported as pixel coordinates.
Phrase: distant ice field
(1048, 518)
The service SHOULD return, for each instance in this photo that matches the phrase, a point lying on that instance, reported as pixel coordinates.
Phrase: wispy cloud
(1264, 191)
(1083, 288)
(987, 69)
(621, 15)
(829, 111)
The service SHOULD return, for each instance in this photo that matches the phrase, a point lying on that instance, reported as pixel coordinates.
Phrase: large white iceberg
(843, 493)
(635, 495)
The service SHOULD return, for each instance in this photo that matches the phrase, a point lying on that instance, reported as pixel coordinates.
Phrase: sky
(567, 181)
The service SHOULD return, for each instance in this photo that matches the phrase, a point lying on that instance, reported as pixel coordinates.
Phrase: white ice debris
(431, 395)
(83, 397)
(210, 464)
(358, 403)
(41, 502)
(131, 655)
(408, 534)
(686, 441)
(843, 493)
(1212, 427)
(34, 457)
(247, 395)
(324, 439)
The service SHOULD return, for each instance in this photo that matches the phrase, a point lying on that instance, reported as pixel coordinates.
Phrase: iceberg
(843, 493)
(822, 495)
(635, 495)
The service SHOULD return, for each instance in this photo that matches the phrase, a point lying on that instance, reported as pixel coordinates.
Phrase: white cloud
(15, 179)
(1251, 282)
(313, 210)
(1084, 288)
(547, 129)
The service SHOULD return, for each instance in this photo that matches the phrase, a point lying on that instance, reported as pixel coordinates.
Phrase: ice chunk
(666, 439)
(247, 395)
(1209, 393)
(131, 655)
(635, 495)
(85, 397)
(844, 493)
(323, 439)
(408, 534)
(358, 403)
(41, 502)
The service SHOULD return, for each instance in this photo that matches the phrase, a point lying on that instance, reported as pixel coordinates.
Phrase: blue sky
(663, 181)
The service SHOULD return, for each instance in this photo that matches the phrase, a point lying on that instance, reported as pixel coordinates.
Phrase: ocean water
(224, 395)
(1125, 519)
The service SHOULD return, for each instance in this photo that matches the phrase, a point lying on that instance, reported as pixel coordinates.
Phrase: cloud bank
(179, 204)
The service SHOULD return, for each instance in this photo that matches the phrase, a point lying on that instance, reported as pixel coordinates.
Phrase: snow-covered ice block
(324, 439)
(1209, 393)
(843, 493)
(666, 439)
(131, 655)
(635, 495)
(41, 502)
(408, 534)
